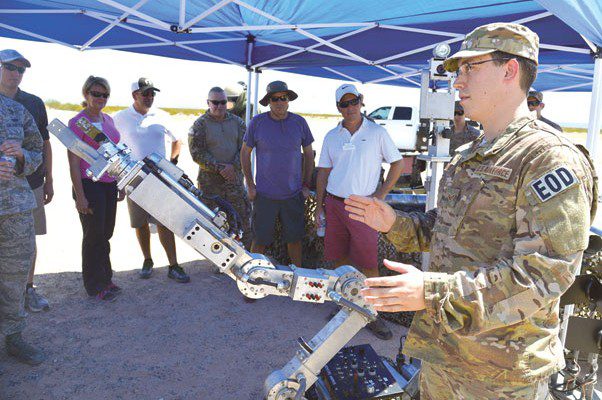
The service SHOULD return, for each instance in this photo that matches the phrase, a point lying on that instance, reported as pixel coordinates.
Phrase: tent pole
(256, 92)
(595, 114)
(249, 93)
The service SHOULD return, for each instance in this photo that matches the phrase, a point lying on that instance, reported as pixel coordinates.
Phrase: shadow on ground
(162, 340)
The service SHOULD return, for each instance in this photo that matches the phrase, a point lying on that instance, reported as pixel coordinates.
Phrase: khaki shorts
(39, 215)
(138, 217)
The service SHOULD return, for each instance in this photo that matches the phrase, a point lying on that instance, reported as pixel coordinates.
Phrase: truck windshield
(380, 113)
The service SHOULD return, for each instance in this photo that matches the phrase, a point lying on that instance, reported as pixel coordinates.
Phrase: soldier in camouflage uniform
(462, 132)
(214, 141)
(20, 155)
(505, 242)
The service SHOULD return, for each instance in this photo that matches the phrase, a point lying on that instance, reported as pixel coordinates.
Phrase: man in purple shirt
(283, 175)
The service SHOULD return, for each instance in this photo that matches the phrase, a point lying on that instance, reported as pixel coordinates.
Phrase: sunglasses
(345, 104)
(278, 98)
(98, 95)
(458, 112)
(219, 102)
(12, 67)
(148, 93)
(533, 103)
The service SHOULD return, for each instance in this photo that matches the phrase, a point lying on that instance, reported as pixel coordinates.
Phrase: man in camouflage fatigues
(505, 242)
(20, 155)
(462, 132)
(215, 140)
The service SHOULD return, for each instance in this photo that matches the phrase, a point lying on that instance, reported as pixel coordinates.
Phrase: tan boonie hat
(510, 38)
(535, 94)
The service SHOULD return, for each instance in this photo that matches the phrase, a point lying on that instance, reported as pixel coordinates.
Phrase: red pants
(347, 238)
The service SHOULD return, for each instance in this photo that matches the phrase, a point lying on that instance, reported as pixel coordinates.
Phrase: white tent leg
(595, 115)
(256, 93)
(249, 93)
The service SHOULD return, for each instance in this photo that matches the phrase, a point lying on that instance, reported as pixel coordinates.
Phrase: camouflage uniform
(17, 238)
(506, 241)
(212, 142)
(458, 139)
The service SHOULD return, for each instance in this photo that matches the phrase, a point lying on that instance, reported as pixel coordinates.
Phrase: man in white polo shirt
(350, 163)
(143, 129)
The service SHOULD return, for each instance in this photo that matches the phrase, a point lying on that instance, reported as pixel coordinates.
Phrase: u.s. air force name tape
(553, 183)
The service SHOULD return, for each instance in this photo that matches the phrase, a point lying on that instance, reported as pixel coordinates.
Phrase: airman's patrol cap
(510, 38)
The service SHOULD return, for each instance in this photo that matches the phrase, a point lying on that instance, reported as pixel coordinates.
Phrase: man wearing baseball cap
(505, 241)
(350, 163)
(145, 130)
(283, 172)
(462, 132)
(535, 103)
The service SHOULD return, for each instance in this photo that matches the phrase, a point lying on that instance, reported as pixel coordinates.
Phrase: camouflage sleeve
(31, 146)
(197, 144)
(411, 232)
(553, 206)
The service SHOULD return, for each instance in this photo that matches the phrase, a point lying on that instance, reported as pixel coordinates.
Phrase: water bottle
(321, 231)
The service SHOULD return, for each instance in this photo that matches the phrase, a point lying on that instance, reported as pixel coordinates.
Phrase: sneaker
(34, 301)
(176, 272)
(113, 288)
(147, 269)
(380, 329)
(26, 353)
(106, 295)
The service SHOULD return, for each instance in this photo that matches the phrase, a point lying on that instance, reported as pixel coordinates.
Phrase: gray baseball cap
(9, 55)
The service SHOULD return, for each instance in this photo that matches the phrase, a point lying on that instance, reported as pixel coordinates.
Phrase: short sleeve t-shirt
(278, 146)
(108, 128)
(144, 134)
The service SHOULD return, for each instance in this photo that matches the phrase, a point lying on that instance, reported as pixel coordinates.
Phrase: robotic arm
(165, 192)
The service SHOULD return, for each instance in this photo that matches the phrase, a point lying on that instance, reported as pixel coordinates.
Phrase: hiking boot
(106, 295)
(147, 269)
(16, 347)
(34, 301)
(380, 329)
(176, 272)
(113, 288)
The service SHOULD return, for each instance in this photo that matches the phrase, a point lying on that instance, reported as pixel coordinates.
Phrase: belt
(335, 197)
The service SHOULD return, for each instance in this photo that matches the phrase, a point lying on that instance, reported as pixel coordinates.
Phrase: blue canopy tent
(364, 41)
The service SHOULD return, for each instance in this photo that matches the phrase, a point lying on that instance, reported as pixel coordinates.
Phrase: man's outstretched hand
(371, 211)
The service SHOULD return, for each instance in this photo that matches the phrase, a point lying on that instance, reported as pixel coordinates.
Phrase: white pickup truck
(402, 123)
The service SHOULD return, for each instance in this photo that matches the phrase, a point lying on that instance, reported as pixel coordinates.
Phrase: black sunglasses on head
(458, 112)
(219, 102)
(533, 103)
(96, 94)
(148, 93)
(13, 67)
(345, 104)
(278, 98)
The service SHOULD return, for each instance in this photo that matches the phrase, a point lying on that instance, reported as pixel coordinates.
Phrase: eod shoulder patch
(553, 183)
